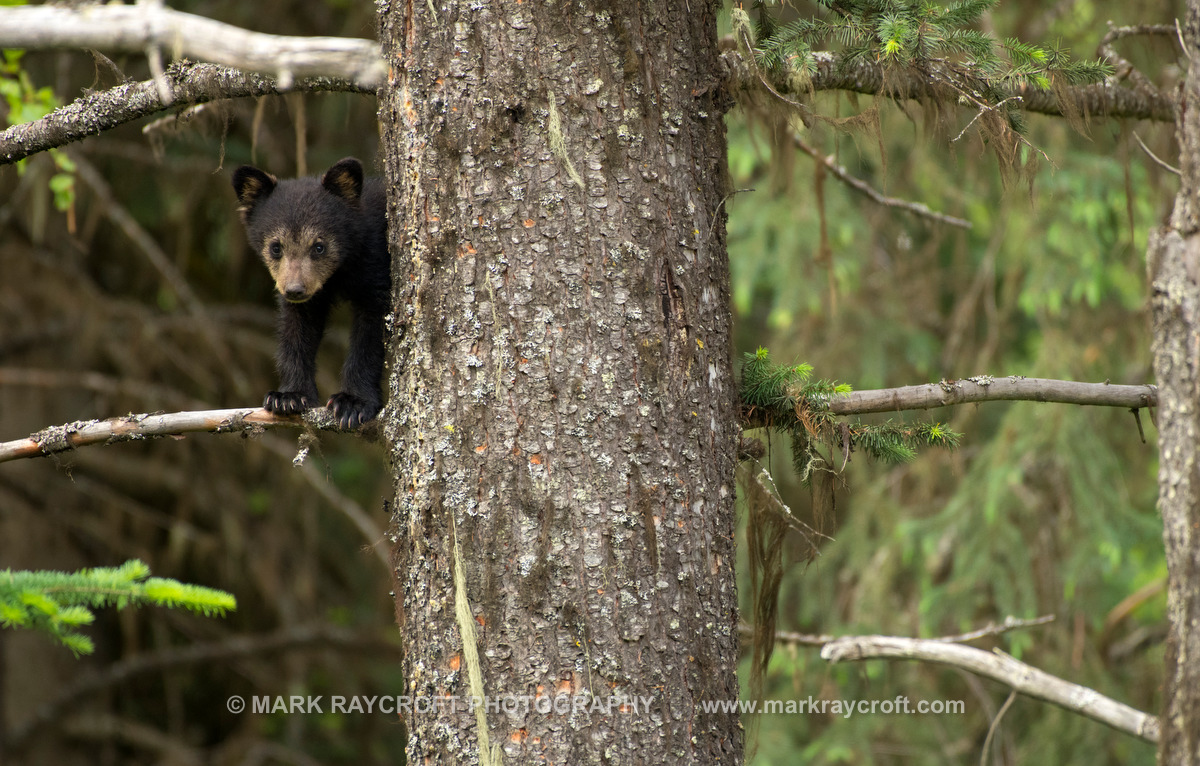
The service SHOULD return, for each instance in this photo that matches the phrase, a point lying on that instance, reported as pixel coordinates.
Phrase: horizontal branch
(984, 388)
(188, 82)
(94, 381)
(991, 629)
(868, 77)
(998, 666)
(83, 433)
(136, 28)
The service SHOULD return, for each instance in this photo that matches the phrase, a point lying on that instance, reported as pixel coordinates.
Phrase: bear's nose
(295, 293)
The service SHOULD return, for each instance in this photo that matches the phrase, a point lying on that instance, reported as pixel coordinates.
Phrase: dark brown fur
(323, 240)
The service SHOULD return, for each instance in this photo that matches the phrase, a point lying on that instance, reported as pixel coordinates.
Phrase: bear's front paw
(286, 402)
(351, 411)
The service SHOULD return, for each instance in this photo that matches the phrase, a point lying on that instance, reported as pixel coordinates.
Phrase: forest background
(131, 289)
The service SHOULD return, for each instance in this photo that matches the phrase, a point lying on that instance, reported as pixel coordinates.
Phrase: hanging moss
(785, 397)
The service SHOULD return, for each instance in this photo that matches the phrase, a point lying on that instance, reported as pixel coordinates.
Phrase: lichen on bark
(562, 392)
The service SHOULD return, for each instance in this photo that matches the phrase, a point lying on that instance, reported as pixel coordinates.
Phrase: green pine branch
(917, 34)
(786, 398)
(59, 603)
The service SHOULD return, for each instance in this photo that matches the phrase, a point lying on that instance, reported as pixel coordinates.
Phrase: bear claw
(351, 411)
(285, 402)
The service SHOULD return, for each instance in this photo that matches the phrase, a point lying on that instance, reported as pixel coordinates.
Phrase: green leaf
(63, 186)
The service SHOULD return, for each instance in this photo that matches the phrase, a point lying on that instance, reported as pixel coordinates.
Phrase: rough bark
(1173, 260)
(562, 416)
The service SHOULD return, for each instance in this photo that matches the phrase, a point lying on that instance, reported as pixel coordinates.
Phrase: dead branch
(994, 727)
(92, 381)
(1122, 611)
(1123, 69)
(843, 175)
(984, 388)
(142, 27)
(190, 83)
(1157, 160)
(371, 531)
(354, 513)
(991, 629)
(792, 637)
(998, 666)
(761, 487)
(81, 433)
(109, 727)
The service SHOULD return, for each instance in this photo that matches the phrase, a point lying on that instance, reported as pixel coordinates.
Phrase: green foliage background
(105, 333)
(1044, 509)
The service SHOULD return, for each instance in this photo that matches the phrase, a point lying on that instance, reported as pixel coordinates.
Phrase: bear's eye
(275, 249)
(319, 248)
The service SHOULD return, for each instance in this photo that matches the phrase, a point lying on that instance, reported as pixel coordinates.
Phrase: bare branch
(994, 727)
(143, 426)
(138, 28)
(354, 513)
(998, 666)
(761, 487)
(190, 83)
(1158, 161)
(92, 381)
(839, 172)
(790, 637)
(984, 388)
(371, 531)
(991, 629)
(1123, 68)
(1121, 612)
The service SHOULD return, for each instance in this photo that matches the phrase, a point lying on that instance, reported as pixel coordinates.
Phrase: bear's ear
(252, 186)
(344, 179)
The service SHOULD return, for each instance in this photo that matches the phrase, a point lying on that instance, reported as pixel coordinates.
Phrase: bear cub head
(305, 228)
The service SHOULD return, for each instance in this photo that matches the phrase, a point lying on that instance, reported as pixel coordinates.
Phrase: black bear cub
(323, 240)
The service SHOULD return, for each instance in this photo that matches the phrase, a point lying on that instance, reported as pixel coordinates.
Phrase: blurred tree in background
(89, 327)
(1045, 509)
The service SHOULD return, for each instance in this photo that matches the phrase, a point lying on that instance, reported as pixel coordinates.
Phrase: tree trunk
(562, 417)
(1173, 259)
